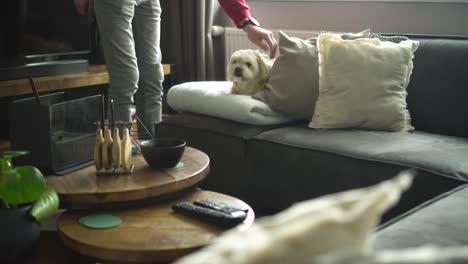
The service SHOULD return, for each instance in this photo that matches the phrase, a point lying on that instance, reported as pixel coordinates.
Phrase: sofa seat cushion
(444, 155)
(318, 162)
(215, 125)
(439, 222)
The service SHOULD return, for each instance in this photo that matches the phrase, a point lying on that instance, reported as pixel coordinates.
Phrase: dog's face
(247, 67)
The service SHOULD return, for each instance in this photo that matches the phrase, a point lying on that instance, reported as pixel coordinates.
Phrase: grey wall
(441, 18)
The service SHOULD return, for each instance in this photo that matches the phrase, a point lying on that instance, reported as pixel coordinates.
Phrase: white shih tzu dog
(249, 71)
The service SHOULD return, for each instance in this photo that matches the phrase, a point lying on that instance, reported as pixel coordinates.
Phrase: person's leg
(115, 27)
(146, 28)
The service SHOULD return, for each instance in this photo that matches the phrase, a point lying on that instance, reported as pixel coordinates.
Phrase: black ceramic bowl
(162, 152)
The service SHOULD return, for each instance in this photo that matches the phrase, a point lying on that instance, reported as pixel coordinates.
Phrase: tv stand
(45, 68)
(94, 75)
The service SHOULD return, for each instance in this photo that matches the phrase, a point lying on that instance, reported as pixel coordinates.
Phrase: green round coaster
(179, 165)
(100, 221)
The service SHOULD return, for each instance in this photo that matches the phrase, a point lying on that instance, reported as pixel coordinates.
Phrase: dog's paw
(235, 91)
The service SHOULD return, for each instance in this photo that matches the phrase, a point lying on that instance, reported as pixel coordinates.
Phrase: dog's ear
(263, 66)
(229, 72)
(265, 56)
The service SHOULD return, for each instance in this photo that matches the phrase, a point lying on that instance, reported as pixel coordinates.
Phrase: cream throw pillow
(362, 84)
(334, 224)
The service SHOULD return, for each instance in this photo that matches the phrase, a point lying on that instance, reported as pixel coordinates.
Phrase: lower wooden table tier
(154, 233)
(83, 189)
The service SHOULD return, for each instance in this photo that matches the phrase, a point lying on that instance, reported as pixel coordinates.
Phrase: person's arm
(239, 11)
(84, 7)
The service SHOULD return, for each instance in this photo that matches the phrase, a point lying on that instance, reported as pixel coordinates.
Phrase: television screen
(32, 27)
(53, 26)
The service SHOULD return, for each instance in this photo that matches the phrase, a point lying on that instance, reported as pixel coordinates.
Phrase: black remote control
(212, 216)
(219, 206)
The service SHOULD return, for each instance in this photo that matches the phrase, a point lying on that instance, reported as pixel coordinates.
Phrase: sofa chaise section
(295, 163)
(438, 222)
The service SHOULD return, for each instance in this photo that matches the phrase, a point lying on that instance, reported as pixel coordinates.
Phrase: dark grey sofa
(271, 167)
(439, 222)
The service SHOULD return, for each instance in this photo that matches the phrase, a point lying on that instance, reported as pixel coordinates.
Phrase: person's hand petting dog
(84, 7)
(262, 38)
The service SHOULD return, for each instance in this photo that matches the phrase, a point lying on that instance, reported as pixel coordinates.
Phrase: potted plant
(25, 201)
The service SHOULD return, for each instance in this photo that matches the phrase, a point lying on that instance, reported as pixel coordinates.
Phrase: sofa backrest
(438, 89)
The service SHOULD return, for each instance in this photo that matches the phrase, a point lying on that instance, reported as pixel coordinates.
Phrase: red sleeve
(237, 10)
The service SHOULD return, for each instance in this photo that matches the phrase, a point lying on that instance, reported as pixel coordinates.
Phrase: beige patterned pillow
(293, 85)
(362, 84)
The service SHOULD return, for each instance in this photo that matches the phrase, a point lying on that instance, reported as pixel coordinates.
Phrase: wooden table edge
(149, 255)
(85, 200)
(143, 256)
(135, 194)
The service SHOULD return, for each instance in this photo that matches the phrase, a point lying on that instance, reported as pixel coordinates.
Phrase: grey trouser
(130, 34)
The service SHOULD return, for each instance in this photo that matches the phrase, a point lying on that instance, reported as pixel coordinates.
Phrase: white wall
(384, 17)
(380, 16)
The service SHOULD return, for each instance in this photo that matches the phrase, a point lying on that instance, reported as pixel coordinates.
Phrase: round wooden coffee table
(153, 233)
(83, 189)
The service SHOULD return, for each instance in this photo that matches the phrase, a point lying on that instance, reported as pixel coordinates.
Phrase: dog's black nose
(238, 72)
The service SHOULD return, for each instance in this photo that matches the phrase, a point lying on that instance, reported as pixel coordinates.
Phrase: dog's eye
(234, 62)
(249, 64)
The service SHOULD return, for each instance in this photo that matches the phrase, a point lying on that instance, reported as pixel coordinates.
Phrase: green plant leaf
(3, 181)
(5, 159)
(8, 184)
(24, 184)
(46, 206)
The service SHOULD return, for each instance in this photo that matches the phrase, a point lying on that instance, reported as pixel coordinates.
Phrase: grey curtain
(186, 38)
